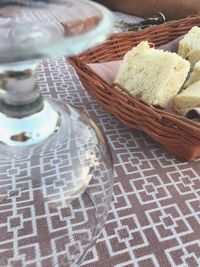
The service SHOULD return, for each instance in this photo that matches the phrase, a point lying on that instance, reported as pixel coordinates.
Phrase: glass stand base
(56, 192)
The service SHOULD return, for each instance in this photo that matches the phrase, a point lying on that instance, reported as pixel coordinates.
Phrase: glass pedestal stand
(55, 165)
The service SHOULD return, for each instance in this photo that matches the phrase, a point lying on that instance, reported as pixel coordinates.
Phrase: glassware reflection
(55, 166)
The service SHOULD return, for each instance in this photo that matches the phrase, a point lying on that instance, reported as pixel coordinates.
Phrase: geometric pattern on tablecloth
(154, 218)
(39, 211)
(155, 214)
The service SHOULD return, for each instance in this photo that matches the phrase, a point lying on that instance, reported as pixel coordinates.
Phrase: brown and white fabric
(154, 219)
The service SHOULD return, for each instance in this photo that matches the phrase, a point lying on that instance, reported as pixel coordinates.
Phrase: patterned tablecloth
(155, 214)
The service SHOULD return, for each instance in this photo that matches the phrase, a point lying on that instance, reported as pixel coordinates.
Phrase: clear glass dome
(56, 172)
(31, 30)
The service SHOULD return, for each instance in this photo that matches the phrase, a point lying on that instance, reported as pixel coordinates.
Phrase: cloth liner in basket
(180, 136)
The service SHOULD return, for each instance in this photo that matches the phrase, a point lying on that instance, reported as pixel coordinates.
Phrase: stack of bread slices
(158, 77)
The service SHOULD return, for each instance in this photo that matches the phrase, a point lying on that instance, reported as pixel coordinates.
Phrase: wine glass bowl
(56, 172)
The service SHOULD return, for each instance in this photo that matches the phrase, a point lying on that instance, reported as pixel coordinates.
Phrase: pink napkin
(172, 46)
(109, 70)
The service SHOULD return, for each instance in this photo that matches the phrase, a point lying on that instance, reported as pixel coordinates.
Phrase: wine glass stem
(19, 93)
(26, 118)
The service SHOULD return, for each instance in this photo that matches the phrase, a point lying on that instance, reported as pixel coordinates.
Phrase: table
(155, 214)
(154, 218)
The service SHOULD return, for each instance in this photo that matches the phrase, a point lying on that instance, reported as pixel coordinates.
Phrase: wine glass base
(56, 127)
(57, 191)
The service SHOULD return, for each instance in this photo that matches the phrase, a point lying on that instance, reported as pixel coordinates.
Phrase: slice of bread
(194, 76)
(189, 46)
(188, 99)
(152, 75)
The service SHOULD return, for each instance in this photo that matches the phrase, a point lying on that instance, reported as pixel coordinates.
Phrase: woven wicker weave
(180, 136)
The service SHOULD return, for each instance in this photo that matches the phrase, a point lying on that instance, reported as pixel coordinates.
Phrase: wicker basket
(179, 136)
